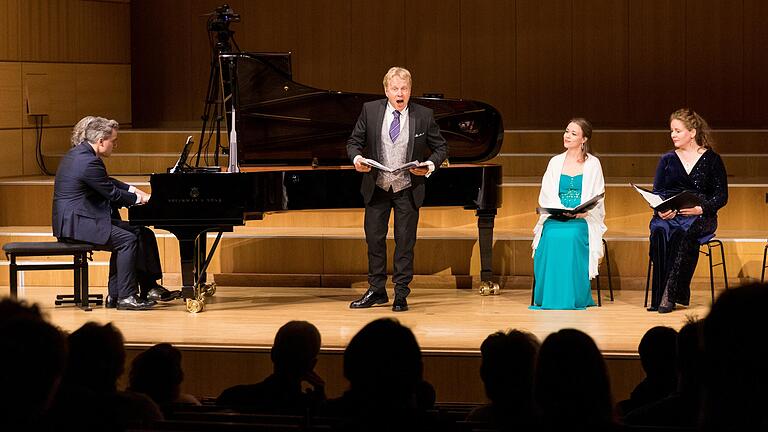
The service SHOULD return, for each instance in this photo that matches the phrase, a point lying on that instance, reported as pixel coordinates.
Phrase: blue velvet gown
(561, 261)
(674, 248)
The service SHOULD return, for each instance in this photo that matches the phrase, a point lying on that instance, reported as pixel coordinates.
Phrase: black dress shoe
(369, 299)
(399, 305)
(159, 293)
(111, 302)
(134, 303)
(653, 309)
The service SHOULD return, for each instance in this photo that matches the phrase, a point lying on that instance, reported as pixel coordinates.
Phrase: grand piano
(290, 151)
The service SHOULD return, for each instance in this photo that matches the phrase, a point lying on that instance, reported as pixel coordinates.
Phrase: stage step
(627, 164)
(144, 151)
(444, 257)
(27, 202)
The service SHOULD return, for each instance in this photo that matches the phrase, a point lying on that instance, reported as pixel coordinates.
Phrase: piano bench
(80, 252)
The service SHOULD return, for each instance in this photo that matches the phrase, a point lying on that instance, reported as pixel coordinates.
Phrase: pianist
(83, 198)
(393, 131)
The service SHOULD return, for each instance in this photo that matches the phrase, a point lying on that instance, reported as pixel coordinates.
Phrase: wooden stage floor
(443, 320)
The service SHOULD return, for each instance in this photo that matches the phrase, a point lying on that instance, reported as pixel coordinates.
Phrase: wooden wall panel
(600, 61)
(10, 146)
(104, 90)
(377, 44)
(162, 64)
(55, 140)
(59, 83)
(48, 29)
(624, 63)
(755, 63)
(656, 60)
(9, 29)
(488, 56)
(105, 32)
(544, 92)
(432, 46)
(323, 35)
(10, 95)
(713, 61)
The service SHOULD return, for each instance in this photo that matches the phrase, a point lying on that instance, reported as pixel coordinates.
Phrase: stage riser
(614, 165)
(144, 152)
(30, 205)
(56, 140)
(443, 262)
(456, 377)
(640, 141)
(627, 166)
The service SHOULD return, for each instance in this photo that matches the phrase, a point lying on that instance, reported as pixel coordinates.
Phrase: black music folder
(587, 205)
(684, 199)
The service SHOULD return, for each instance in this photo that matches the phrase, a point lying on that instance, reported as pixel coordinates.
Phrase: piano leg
(187, 252)
(485, 221)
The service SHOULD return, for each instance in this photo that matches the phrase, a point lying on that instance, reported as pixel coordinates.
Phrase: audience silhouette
(60, 383)
(157, 373)
(657, 351)
(681, 408)
(294, 356)
(384, 368)
(32, 357)
(507, 371)
(735, 373)
(96, 361)
(572, 390)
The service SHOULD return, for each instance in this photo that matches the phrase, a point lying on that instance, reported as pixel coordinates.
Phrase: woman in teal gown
(564, 247)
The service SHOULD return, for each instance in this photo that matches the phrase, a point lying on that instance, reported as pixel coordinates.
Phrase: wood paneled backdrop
(621, 63)
(66, 58)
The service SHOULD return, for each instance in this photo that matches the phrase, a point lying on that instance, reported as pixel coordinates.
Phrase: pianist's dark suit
(83, 197)
(424, 143)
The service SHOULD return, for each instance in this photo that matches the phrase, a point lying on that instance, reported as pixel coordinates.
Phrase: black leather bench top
(46, 248)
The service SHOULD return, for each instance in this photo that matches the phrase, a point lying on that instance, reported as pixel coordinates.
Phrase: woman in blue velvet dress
(676, 235)
(567, 250)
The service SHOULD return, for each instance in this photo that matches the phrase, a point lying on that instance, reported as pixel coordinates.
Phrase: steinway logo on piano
(194, 198)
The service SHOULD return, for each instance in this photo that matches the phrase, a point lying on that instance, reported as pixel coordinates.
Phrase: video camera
(221, 17)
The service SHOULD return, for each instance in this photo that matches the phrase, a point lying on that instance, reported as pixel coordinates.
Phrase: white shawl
(593, 183)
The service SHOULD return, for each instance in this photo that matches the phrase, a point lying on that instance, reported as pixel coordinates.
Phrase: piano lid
(282, 122)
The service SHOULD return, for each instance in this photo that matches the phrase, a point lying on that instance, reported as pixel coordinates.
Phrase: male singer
(393, 131)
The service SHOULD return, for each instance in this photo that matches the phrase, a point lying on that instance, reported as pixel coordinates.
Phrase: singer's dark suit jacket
(83, 197)
(424, 139)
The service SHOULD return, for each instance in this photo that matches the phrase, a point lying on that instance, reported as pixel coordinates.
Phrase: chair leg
(533, 289)
(599, 296)
(648, 281)
(722, 261)
(711, 270)
(82, 269)
(608, 265)
(13, 277)
(765, 255)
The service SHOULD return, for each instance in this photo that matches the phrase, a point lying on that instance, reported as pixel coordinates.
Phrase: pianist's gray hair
(92, 129)
(399, 72)
(78, 132)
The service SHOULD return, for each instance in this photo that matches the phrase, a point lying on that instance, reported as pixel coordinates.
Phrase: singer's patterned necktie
(394, 128)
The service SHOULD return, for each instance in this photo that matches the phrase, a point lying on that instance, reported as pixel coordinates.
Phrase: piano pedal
(489, 288)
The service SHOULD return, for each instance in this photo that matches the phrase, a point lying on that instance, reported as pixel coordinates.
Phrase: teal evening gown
(561, 261)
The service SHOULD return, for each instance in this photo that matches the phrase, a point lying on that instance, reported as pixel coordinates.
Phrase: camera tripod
(218, 82)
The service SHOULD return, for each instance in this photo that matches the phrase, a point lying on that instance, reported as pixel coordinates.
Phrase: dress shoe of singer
(399, 305)
(159, 293)
(369, 299)
(111, 302)
(134, 303)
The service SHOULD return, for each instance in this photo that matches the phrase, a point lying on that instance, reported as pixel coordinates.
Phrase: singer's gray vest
(393, 155)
